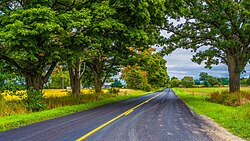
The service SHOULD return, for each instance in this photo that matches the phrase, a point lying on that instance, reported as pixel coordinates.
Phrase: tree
(30, 34)
(30, 40)
(204, 77)
(175, 83)
(248, 81)
(243, 81)
(59, 80)
(110, 79)
(10, 80)
(109, 34)
(135, 78)
(197, 82)
(173, 78)
(219, 28)
(152, 65)
(187, 81)
(155, 66)
(213, 81)
(224, 81)
(116, 84)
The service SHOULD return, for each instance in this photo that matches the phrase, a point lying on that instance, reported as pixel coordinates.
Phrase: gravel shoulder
(217, 132)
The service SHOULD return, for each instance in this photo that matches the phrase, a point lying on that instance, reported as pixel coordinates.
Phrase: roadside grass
(14, 121)
(235, 119)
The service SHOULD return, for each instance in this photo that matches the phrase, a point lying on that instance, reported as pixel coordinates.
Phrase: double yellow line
(119, 116)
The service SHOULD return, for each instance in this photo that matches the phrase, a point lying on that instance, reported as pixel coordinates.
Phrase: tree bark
(34, 81)
(97, 67)
(234, 74)
(75, 77)
(98, 83)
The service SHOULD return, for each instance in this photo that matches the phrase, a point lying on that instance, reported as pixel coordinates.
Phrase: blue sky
(179, 64)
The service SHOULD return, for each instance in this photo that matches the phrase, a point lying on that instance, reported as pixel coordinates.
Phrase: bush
(33, 101)
(146, 87)
(114, 90)
(230, 99)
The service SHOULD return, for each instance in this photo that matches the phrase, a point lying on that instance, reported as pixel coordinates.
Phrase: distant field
(209, 90)
(50, 93)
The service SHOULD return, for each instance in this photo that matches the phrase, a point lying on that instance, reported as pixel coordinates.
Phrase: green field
(211, 89)
(235, 119)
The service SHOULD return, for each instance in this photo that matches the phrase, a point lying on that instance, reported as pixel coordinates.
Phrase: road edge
(213, 129)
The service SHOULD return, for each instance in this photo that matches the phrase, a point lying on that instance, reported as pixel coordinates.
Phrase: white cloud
(180, 65)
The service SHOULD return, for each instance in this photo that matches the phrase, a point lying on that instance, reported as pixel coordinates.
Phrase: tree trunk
(34, 81)
(234, 75)
(98, 83)
(97, 67)
(75, 77)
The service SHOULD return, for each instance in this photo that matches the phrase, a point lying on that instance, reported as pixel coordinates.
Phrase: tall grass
(87, 101)
(55, 102)
(230, 99)
(55, 98)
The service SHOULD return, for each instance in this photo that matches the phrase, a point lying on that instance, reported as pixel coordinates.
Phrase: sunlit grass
(54, 98)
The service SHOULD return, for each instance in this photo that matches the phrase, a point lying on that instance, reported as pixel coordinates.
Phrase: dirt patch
(217, 132)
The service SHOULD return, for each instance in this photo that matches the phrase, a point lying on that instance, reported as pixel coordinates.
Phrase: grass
(14, 121)
(209, 90)
(235, 119)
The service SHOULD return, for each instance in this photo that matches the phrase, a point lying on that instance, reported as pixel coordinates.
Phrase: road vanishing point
(160, 116)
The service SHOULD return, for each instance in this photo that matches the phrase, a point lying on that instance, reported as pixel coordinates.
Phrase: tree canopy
(218, 29)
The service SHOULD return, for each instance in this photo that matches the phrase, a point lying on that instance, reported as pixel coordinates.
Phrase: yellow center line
(119, 116)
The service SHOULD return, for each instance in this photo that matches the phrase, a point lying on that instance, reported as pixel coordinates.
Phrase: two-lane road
(160, 116)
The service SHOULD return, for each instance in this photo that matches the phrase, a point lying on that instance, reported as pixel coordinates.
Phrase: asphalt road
(164, 118)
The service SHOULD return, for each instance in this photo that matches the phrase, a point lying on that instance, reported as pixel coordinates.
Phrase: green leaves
(217, 28)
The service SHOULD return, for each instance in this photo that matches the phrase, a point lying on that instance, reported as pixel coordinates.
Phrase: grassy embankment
(235, 119)
(57, 98)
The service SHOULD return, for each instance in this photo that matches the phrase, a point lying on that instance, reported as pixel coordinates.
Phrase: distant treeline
(206, 80)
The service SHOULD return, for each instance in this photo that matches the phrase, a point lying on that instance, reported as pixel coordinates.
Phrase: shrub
(54, 102)
(114, 90)
(230, 99)
(146, 87)
(33, 101)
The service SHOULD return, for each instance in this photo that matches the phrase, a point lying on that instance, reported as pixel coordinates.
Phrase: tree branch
(11, 61)
(84, 68)
(46, 77)
(107, 73)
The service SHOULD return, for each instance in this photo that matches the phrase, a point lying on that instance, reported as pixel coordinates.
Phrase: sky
(179, 64)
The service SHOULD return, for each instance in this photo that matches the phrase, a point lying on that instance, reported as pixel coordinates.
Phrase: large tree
(152, 67)
(103, 41)
(218, 28)
(154, 64)
(30, 37)
(187, 81)
(28, 43)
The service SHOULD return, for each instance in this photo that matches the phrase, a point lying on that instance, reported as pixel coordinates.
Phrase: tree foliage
(117, 84)
(209, 80)
(152, 67)
(187, 81)
(175, 82)
(59, 80)
(219, 29)
(30, 37)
